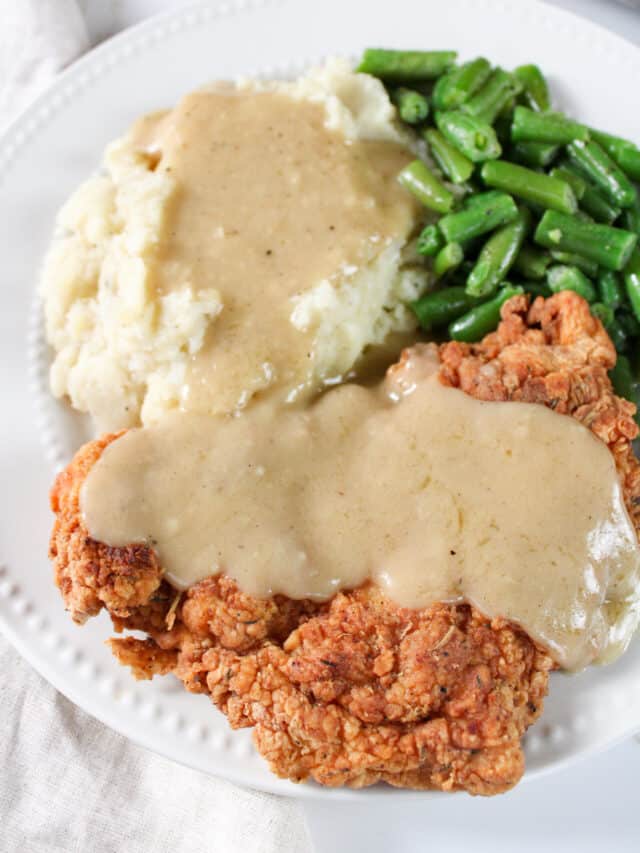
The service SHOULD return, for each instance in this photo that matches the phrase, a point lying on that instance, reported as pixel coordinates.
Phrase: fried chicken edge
(358, 690)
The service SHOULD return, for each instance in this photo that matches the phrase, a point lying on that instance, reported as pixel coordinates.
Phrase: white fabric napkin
(67, 783)
(37, 39)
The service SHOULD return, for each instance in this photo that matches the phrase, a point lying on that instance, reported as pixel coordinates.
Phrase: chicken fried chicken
(359, 690)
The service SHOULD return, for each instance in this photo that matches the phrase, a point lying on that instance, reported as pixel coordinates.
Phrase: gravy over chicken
(431, 494)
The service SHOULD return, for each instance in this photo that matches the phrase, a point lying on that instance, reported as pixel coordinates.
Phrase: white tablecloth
(69, 784)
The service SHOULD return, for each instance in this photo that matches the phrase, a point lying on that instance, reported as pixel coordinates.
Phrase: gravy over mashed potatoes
(251, 239)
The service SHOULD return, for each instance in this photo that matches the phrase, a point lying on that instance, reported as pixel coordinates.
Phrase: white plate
(57, 143)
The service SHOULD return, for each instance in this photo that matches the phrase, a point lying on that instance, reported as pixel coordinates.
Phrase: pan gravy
(269, 204)
(431, 494)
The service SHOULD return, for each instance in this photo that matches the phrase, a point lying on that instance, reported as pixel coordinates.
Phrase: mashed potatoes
(177, 280)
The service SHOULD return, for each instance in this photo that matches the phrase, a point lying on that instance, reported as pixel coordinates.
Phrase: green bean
(604, 313)
(534, 84)
(619, 337)
(441, 307)
(460, 275)
(629, 161)
(535, 288)
(405, 66)
(502, 127)
(590, 199)
(498, 255)
(586, 265)
(532, 263)
(412, 106)
(553, 128)
(598, 207)
(534, 154)
(596, 165)
(632, 282)
(426, 187)
(608, 247)
(610, 289)
(455, 165)
(621, 378)
(459, 84)
(575, 181)
(633, 354)
(490, 100)
(482, 319)
(488, 211)
(472, 137)
(629, 323)
(570, 278)
(529, 185)
(447, 259)
(430, 241)
(631, 217)
(624, 152)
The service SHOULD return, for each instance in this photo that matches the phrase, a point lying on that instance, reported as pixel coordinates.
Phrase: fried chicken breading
(359, 690)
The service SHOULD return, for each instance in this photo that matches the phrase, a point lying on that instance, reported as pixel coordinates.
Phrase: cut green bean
(439, 308)
(502, 127)
(534, 154)
(472, 137)
(430, 241)
(570, 278)
(629, 161)
(622, 380)
(610, 289)
(629, 323)
(482, 319)
(619, 337)
(448, 258)
(459, 84)
(529, 185)
(624, 152)
(488, 211)
(412, 106)
(613, 145)
(498, 255)
(608, 247)
(575, 181)
(535, 288)
(632, 282)
(424, 185)
(591, 201)
(604, 313)
(405, 66)
(596, 165)
(587, 266)
(532, 263)
(489, 101)
(631, 217)
(455, 165)
(535, 88)
(553, 128)
(598, 207)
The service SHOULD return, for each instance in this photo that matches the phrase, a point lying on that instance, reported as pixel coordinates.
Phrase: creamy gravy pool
(433, 495)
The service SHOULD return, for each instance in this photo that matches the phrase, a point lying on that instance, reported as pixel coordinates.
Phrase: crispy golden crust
(359, 690)
(89, 574)
(554, 353)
